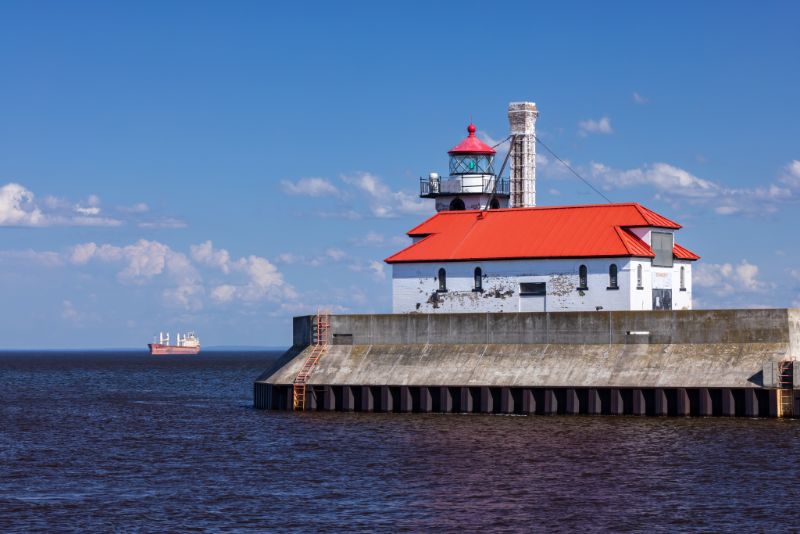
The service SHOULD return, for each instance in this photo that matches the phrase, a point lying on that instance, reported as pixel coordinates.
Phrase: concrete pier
(687, 363)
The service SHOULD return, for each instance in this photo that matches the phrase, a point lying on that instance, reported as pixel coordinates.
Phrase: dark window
(532, 289)
(639, 277)
(457, 205)
(442, 280)
(612, 277)
(478, 279)
(662, 247)
(494, 204)
(683, 278)
(583, 277)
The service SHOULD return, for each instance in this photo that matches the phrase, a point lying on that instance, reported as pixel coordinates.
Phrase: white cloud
(265, 280)
(335, 254)
(384, 202)
(77, 318)
(372, 238)
(795, 273)
(312, 187)
(91, 210)
(145, 260)
(661, 176)
(140, 207)
(262, 279)
(377, 269)
(375, 239)
(331, 255)
(45, 258)
(206, 254)
(640, 99)
(82, 253)
(90, 207)
(348, 214)
(591, 126)
(17, 207)
(671, 182)
(726, 278)
(223, 293)
(289, 258)
(167, 222)
(791, 175)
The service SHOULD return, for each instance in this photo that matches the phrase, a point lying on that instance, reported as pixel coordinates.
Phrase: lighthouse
(472, 183)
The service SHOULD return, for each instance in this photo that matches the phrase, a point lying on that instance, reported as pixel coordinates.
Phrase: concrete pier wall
(570, 360)
(656, 327)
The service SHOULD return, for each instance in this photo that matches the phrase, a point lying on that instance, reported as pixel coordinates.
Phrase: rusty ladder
(319, 338)
(785, 389)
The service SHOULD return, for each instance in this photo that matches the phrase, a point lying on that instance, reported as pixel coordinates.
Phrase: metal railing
(456, 186)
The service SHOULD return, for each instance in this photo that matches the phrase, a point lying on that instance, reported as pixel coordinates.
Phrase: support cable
(564, 163)
(573, 171)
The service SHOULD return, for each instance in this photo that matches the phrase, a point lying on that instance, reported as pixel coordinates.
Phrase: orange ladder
(320, 336)
(785, 389)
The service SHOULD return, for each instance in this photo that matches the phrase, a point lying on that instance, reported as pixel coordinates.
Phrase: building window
(583, 277)
(478, 279)
(639, 277)
(662, 247)
(442, 280)
(683, 278)
(612, 277)
(532, 289)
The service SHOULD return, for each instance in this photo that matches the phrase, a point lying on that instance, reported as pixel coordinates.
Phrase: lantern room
(472, 183)
(471, 156)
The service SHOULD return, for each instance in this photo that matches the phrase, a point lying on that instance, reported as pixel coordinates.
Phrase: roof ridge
(652, 217)
(541, 208)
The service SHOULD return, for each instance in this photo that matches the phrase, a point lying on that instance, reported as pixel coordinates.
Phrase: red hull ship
(188, 344)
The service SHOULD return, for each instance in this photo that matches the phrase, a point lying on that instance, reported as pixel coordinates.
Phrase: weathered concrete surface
(678, 349)
(684, 365)
(660, 327)
(794, 332)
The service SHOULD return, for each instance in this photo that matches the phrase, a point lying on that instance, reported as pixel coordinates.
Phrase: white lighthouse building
(489, 249)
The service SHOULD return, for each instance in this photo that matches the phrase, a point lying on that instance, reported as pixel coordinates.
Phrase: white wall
(415, 286)
(641, 299)
(682, 300)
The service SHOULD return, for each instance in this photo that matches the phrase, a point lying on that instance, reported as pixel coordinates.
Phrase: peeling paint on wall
(415, 286)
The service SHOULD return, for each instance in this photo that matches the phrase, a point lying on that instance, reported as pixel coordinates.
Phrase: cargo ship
(188, 344)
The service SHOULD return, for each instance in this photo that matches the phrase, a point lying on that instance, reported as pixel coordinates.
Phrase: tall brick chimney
(522, 119)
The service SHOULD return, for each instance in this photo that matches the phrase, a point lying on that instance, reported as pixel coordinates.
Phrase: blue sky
(224, 166)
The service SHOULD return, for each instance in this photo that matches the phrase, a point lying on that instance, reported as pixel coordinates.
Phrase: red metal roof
(684, 253)
(471, 145)
(548, 232)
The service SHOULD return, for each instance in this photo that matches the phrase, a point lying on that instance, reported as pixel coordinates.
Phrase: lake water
(125, 441)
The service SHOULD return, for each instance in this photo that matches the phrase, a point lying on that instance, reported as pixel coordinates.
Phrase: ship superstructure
(188, 343)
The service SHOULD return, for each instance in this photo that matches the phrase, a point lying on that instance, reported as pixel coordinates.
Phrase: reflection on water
(124, 441)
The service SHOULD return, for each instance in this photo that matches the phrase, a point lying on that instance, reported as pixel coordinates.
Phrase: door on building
(532, 297)
(662, 299)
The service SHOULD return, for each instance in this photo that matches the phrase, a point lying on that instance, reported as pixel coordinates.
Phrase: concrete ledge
(659, 327)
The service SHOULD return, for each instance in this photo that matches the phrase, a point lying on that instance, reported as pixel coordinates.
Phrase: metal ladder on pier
(319, 338)
(785, 389)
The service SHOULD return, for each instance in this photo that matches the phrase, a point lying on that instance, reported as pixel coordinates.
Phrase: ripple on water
(122, 442)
